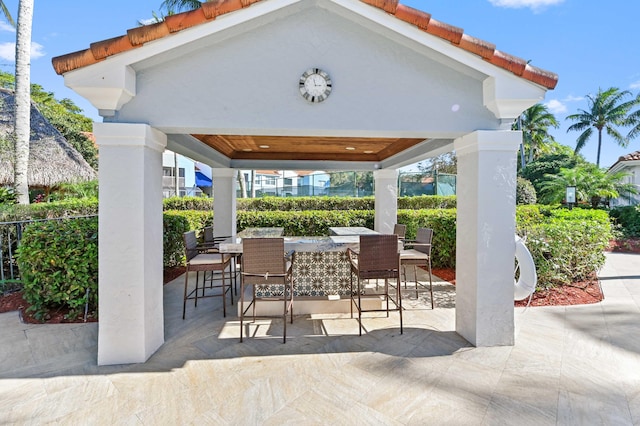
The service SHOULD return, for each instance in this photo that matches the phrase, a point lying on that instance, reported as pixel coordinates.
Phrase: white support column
(486, 188)
(131, 326)
(224, 201)
(386, 199)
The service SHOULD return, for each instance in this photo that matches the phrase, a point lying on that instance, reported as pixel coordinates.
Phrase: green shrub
(7, 195)
(443, 223)
(525, 192)
(628, 220)
(58, 261)
(174, 225)
(566, 251)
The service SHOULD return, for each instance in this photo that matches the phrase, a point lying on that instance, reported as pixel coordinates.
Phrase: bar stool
(419, 255)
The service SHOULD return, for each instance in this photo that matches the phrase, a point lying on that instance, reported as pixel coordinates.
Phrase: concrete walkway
(571, 365)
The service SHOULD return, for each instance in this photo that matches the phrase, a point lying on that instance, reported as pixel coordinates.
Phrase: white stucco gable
(238, 74)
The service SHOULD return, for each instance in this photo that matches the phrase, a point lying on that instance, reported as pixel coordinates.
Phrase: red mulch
(575, 294)
(15, 302)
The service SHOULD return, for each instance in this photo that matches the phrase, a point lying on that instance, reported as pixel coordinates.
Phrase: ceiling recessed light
(350, 148)
(247, 149)
(264, 146)
(368, 152)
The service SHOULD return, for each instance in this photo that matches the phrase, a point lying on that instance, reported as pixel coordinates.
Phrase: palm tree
(634, 121)
(535, 123)
(607, 110)
(4, 11)
(174, 6)
(23, 100)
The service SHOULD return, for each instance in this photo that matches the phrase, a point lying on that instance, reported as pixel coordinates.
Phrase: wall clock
(315, 85)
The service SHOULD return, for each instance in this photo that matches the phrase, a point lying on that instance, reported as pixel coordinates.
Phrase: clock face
(315, 85)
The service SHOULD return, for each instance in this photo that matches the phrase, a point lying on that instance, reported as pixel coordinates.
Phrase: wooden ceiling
(306, 148)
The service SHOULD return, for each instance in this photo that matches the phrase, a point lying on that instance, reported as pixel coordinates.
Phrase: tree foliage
(608, 110)
(549, 164)
(535, 123)
(443, 163)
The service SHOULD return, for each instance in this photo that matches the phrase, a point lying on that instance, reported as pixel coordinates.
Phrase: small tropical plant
(592, 185)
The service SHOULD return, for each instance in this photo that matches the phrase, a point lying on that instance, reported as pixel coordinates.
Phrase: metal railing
(10, 236)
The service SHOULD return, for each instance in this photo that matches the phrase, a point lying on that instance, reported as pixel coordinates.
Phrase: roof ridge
(138, 36)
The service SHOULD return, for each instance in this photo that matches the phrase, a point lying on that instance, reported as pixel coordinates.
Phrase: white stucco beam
(106, 87)
(508, 98)
(191, 147)
(420, 152)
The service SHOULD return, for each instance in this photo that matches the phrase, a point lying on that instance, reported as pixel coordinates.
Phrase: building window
(170, 171)
(288, 181)
(269, 180)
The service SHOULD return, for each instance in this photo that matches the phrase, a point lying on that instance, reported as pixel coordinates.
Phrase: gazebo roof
(138, 36)
(405, 86)
(52, 160)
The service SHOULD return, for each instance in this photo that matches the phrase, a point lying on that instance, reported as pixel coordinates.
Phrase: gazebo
(52, 160)
(301, 84)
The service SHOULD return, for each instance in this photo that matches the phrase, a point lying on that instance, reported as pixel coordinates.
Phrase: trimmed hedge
(308, 223)
(58, 261)
(311, 203)
(57, 209)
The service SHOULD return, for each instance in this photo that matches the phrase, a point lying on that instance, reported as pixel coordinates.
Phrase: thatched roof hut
(52, 160)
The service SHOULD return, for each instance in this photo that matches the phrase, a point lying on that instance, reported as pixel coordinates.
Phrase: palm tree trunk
(253, 184)
(242, 185)
(23, 100)
(599, 145)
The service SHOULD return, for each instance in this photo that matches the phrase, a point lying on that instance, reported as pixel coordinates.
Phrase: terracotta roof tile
(388, 6)
(147, 33)
(445, 31)
(508, 62)
(112, 46)
(539, 76)
(215, 8)
(182, 21)
(477, 46)
(413, 16)
(211, 9)
(74, 60)
(630, 157)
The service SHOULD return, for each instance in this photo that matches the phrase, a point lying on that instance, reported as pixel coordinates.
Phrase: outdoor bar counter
(321, 267)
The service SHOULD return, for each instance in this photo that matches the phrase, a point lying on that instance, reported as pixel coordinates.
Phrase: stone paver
(570, 365)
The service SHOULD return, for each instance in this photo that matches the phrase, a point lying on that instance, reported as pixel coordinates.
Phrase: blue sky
(588, 43)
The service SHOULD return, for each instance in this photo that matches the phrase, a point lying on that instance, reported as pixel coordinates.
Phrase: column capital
(223, 172)
(385, 174)
(129, 134)
(488, 140)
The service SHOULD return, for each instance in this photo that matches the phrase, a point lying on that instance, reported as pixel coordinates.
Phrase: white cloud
(572, 98)
(8, 51)
(148, 21)
(635, 85)
(6, 27)
(534, 5)
(556, 107)
(37, 50)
